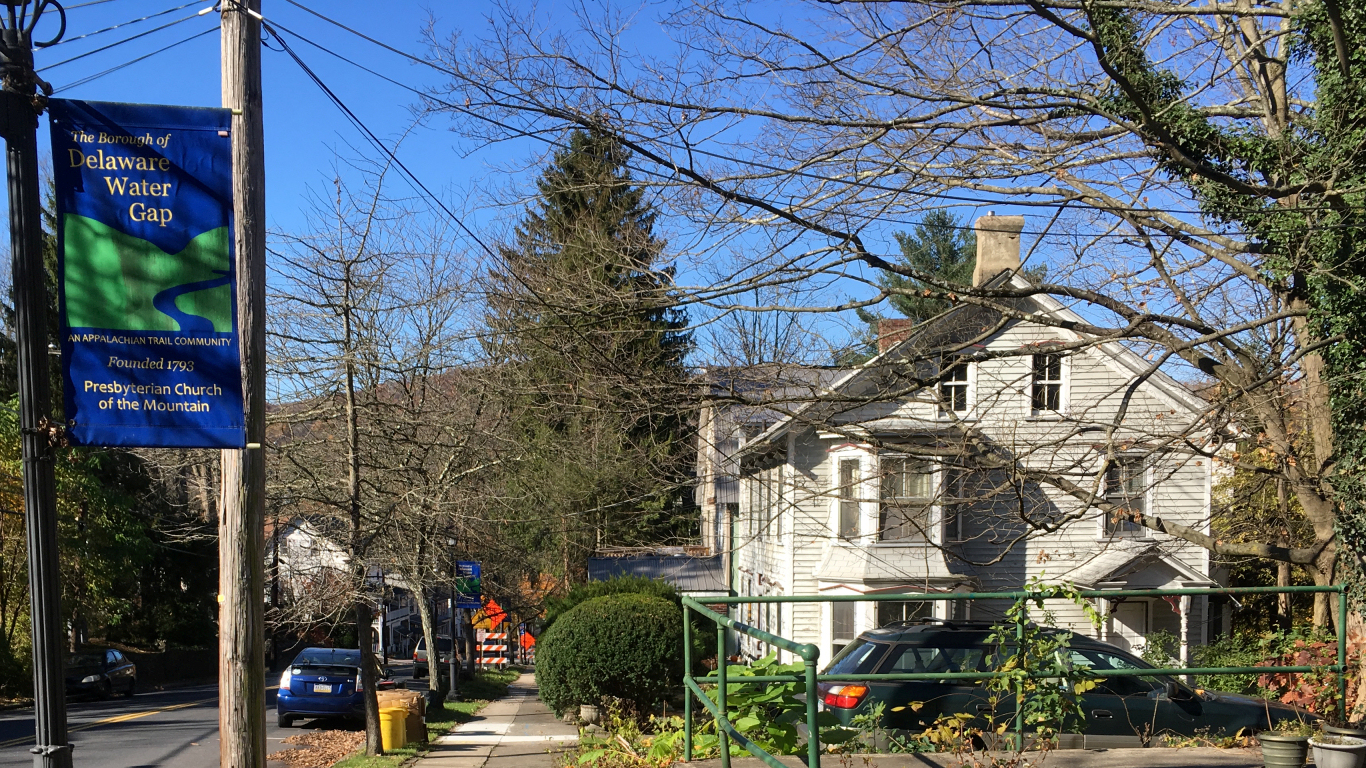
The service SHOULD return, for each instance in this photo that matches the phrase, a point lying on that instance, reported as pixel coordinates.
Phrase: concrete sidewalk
(516, 731)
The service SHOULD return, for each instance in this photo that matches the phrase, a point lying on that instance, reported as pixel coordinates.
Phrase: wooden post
(241, 520)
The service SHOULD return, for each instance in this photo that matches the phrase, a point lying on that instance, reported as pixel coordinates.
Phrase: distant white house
(311, 572)
(895, 476)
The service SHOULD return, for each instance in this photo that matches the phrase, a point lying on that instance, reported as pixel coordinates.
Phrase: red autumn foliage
(1316, 691)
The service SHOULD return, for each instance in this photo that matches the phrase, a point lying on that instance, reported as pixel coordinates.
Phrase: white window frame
(1064, 386)
(970, 384)
(1138, 531)
(946, 486)
(779, 480)
(933, 514)
(855, 490)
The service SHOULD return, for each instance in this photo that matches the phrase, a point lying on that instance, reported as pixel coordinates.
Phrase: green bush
(1249, 649)
(703, 629)
(626, 645)
(555, 607)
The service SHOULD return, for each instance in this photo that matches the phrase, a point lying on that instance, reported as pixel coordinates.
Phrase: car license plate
(322, 688)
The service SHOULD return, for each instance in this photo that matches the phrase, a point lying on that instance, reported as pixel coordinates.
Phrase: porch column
(1185, 634)
(1104, 610)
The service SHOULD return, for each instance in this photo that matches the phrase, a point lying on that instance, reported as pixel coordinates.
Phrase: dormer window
(953, 387)
(1046, 383)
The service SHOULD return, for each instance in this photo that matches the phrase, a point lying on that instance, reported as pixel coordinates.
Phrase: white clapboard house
(894, 476)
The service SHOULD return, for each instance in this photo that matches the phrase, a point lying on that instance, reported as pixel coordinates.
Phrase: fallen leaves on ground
(319, 749)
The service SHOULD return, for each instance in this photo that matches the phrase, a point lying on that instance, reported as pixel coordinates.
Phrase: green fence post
(687, 678)
(1019, 685)
(722, 737)
(813, 731)
(1342, 653)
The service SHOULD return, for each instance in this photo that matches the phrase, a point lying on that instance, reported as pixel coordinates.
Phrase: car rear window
(328, 658)
(856, 658)
(443, 644)
(928, 658)
(325, 669)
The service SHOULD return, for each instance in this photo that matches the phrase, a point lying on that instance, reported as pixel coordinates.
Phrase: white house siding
(811, 560)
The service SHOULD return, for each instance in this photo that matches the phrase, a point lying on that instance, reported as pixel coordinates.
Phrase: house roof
(1123, 558)
(687, 574)
(1114, 351)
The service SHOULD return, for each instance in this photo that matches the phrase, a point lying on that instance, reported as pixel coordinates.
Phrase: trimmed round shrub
(555, 607)
(628, 645)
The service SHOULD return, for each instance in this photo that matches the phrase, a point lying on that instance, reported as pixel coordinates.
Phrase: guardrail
(810, 656)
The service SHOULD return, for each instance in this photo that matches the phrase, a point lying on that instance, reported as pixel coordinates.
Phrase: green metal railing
(810, 655)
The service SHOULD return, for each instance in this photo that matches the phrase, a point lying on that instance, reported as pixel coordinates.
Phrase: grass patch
(391, 759)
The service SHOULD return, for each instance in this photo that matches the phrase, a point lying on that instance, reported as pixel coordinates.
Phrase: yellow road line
(122, 718)
(115, 719)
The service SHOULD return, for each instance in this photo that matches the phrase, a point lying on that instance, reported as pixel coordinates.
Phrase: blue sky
(304, 129)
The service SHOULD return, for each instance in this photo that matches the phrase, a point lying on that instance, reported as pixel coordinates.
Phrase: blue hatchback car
(322, 682)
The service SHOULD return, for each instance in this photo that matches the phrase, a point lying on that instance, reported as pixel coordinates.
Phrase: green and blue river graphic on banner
(147, 275)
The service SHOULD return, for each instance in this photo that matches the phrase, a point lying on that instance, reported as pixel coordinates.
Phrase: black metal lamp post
(20, 106)
(453, 694)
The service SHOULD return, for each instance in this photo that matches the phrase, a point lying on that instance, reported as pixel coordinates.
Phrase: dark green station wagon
(1120, 711)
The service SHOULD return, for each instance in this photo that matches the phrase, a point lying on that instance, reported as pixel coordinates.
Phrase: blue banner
(468, 590)
(147, 275)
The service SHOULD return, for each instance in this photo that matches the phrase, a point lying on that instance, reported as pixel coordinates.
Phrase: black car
(1120, 711)
(100, 672)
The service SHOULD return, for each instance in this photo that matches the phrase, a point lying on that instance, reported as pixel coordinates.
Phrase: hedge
(627, 645)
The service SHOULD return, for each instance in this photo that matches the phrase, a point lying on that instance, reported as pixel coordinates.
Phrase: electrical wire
(124, 24)
(121, 42)
(816, 177)
(112, 70)
(83, 5)
(375, 140)
(647, 171)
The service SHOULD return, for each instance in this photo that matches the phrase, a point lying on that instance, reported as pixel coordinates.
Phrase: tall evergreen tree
(939, 244)
(585, 319)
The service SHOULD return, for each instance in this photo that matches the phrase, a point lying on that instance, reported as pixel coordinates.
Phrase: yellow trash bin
(393, 727)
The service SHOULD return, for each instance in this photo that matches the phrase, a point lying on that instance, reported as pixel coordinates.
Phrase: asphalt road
(176, 728)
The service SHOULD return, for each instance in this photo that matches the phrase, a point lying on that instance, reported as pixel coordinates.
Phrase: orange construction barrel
(393, 727)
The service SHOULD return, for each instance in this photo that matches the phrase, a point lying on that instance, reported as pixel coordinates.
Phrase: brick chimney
(889, 332)
(998, 246)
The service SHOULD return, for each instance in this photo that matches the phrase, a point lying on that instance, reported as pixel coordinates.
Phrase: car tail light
(360, 684)
(845, 696)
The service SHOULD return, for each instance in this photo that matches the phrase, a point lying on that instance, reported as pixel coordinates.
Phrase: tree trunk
(369, 672)
(424, 612)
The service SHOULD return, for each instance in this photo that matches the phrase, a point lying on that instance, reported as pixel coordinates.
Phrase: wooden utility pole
(241, 519)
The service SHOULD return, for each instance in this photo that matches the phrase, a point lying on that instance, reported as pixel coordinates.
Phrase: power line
(126, 23)
(112, 70)
(814, 176)
(647, 171)
(121, 42)
(375, 140)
